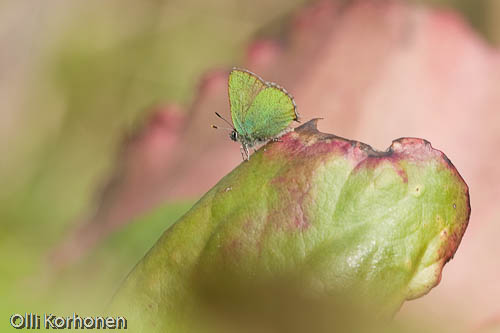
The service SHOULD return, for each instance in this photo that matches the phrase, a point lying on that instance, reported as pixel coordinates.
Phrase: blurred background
(105, 113)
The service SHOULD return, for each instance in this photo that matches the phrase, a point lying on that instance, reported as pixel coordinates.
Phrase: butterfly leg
(244, 152)
(247, 153)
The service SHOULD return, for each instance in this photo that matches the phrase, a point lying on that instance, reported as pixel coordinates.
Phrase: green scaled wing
(271, 113)
(243, 89)
(260, 110)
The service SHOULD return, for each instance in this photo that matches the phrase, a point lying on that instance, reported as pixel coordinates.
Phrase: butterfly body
(260, 110)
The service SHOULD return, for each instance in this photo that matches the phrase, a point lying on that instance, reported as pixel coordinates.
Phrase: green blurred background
(76, 77)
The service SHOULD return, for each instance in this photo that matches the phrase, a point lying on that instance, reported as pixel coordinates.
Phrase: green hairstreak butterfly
(260, 110)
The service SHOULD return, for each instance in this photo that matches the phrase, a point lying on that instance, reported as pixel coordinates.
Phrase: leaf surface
(333, 214)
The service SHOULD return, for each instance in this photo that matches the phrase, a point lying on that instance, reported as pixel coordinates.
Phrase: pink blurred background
(106, 113)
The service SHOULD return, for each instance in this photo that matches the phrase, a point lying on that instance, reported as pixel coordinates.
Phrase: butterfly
(260, 110)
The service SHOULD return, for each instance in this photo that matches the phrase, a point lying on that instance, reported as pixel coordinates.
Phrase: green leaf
(332, 215)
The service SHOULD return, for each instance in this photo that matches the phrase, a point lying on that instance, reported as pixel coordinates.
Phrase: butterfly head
(233, 135)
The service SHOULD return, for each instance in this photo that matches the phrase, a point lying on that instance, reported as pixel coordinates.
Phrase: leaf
(333, 215)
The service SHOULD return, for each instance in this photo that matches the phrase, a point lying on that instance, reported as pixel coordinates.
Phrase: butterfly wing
(244, 87)
(271, 112)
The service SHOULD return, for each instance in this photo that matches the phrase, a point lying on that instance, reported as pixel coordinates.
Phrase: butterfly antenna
(221, 117)
(226, 128)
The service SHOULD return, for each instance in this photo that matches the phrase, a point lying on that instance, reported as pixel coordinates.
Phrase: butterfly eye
(233, 136)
